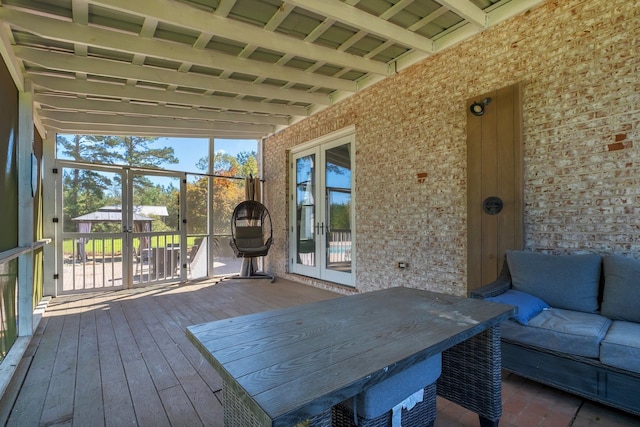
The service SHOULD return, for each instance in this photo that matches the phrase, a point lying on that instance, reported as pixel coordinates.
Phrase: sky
(190, 150)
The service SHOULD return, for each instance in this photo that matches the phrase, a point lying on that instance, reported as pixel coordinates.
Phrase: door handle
(492, 205)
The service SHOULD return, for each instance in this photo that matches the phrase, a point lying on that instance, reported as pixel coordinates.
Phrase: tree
(86, 191)
(228, 192)
(242, 165)
(340, 216)
(83, 190)
(197, 206)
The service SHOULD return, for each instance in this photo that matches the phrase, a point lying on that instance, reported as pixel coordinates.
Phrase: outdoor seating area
(577, 326)
(124, 358)
(443, 194)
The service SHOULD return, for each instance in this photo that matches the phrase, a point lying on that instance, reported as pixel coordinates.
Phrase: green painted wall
(8, 160)
(8, 208)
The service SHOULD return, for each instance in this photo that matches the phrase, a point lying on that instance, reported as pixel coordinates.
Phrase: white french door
(322, 209)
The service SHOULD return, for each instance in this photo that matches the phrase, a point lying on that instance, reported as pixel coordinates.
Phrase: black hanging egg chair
(251, 237)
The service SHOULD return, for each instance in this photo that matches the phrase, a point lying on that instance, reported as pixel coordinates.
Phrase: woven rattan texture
(467, 369)
(421, 415)
(237, 415)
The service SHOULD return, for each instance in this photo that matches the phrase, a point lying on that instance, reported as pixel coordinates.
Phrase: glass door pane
(227, 194)
(155, 216)
(305, 211)
(197, 213)
(337, 182)
(92, 230)
(339, 232)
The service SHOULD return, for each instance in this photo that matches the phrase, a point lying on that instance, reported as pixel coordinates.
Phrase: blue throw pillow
(571, 282)
(528, 305)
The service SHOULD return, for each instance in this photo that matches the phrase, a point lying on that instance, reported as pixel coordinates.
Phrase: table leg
(239, 412)
(484, 422)
(472, 375)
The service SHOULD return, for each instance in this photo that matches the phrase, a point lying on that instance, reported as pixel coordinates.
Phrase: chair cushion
(251, 232)
(621, 296)
(570, 282)
(566, 331)
(249, 239)
(383, 396)
(621, 346)
(528, 305)
(249, 247)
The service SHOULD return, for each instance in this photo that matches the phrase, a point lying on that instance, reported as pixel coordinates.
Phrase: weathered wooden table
(283, 367)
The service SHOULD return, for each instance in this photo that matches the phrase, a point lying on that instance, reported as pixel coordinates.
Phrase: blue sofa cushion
(565, 331)
(383, 396)
(621, 296)
(570, 282)
(621, 346)
(528, 305)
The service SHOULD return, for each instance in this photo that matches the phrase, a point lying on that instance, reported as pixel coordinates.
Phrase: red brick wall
(579, 62)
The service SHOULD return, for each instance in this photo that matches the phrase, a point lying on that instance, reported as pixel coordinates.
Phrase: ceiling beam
(108, 129)
(224, 7)
(122, 70)
(192, 18)
(462, 33)
(122, 107)
(65, 31)
(162, 96)
(6, 52)
(149, 122)
(360, 19)
(429, 18)
(467, 10)
(510, 10)
(80, 11)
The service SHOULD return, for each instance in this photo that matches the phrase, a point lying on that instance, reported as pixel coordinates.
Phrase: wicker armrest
(497, 287)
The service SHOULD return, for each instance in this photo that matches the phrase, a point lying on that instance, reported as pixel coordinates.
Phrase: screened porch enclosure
(124, 227)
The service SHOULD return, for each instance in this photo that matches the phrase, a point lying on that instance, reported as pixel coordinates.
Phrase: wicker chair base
(476, 363)
(422, 415)
(237, 415)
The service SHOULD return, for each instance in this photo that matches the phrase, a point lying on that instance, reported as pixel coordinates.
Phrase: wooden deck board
(58, 405)
(88, 406)
(117, 403)
(123, 357)
(157, 365)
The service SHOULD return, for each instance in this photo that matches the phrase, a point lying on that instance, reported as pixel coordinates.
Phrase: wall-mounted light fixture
(477, 108)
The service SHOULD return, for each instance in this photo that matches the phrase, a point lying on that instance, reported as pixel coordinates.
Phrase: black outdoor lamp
(477, 108)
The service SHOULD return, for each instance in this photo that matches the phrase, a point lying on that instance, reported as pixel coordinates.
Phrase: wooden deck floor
(123, 359)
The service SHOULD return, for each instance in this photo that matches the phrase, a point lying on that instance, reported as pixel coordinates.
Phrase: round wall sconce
(477, 108)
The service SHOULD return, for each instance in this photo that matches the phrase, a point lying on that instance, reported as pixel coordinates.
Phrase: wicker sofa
(577, 326)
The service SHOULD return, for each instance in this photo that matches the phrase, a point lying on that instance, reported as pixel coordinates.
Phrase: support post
(25, 210)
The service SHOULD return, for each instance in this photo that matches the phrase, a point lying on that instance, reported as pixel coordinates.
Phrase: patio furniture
(409, 398)
(165, 261)
(578, 325)
(251, 237)
(286, 366)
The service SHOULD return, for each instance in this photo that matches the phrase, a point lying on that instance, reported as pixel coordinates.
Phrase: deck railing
(340, 246)
(9, 294)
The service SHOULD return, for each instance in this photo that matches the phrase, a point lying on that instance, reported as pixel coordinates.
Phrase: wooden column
(494, 170)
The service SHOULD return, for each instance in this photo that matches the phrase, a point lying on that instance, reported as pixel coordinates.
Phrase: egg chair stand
(251, 237)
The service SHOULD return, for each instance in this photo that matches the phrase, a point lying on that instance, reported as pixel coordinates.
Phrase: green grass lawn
(114, 246)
